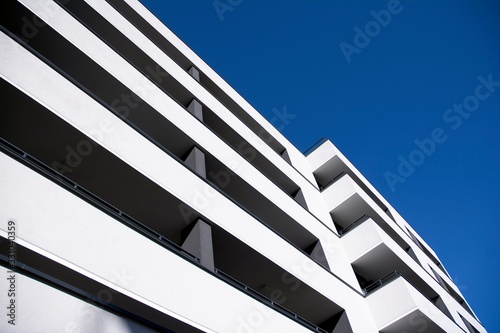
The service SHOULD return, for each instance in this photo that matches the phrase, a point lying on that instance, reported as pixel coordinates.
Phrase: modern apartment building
(140, 193)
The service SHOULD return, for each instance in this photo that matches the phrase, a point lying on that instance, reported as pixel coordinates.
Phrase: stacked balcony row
(397, 272)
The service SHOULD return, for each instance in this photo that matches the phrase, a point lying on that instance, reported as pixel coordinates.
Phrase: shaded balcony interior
(452, 292)
(382, 260)
(401, 307)
(54, 143)
(354, 210)
(275, 284)
(333, 169)
(413, 322)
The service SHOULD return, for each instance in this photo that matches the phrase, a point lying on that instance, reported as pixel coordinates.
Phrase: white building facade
(140, 193)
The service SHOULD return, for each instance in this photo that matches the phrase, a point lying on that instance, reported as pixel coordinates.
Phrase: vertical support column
(439, 279)
(286, 157)
(196, 161)
(337, 323)
(439, 303)
(194, 73)
(316, 252)
(196, 109)
(469, 326)
(343, 325)
(415, 240)
(299, 197)
(198, 242)
(412, 254)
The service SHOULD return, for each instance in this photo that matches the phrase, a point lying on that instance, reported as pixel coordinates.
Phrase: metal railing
(267, 301)
(332, 181)
(382, 281)
(354, 224)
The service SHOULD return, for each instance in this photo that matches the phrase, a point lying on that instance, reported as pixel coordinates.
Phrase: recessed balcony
(397, 306)
(373, 254)
(348, 203)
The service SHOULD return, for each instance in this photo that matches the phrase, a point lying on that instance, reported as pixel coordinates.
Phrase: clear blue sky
(408, 80)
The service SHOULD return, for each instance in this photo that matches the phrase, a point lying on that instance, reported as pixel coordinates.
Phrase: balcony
(329, 165)
(348, 202)
(374, 254)
(397, 306)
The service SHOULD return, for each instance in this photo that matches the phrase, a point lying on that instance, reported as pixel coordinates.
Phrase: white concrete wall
(42, 309)
(339, 192)
(362, 239)
(399, 299)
